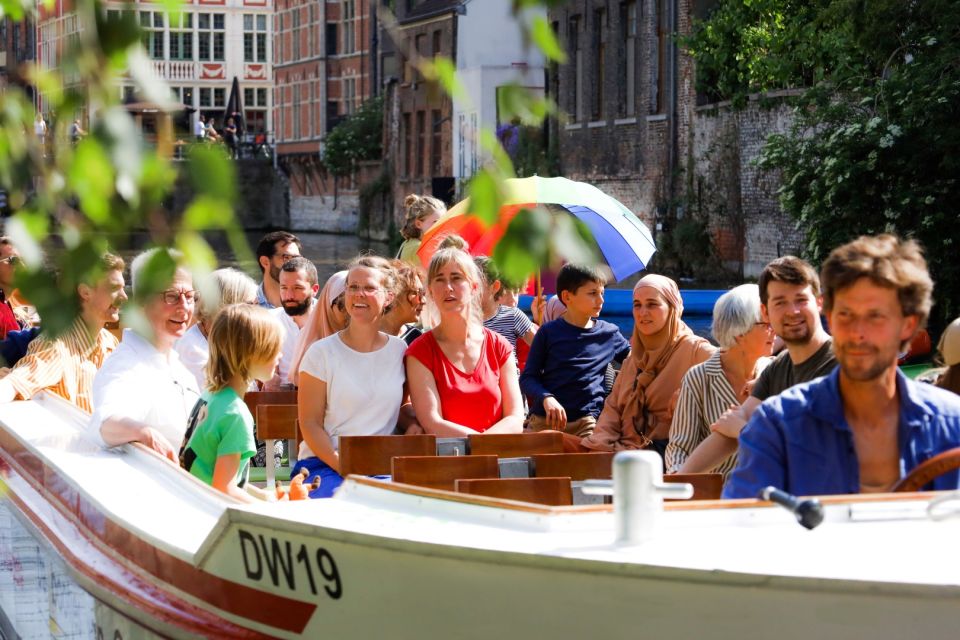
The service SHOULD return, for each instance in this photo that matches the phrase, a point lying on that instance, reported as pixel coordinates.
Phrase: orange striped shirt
(65, 366)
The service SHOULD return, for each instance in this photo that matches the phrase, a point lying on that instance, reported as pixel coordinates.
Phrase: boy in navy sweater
(564, 375)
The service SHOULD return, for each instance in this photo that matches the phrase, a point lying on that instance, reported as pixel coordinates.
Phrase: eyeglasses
(286, 256)
(418, 293)
(172, 296)
(368, 290)
(11, 260)
(766, 325)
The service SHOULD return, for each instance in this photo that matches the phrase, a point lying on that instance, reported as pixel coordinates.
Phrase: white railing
(176, 69)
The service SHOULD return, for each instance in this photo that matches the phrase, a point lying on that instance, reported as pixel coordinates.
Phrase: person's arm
(42, 367)
(512, 417)
(710, 453)
(525, 330)
(530, 382)
(686, 429)
(426, 402)
(733, 419)
(311, 409)
(762, 460)
(407, 420)
(118, 430)
(225, 477)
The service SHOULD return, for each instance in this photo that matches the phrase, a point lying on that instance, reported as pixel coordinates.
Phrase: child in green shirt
(245, 342)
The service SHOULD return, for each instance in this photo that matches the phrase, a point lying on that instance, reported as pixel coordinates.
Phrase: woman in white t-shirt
(352, 383)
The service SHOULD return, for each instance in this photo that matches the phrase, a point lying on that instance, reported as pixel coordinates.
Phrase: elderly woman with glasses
(725, 379)
(143, 393)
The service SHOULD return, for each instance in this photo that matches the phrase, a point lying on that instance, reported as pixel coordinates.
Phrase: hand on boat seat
(154, 439)
(414, 429)
(730, 423)
(556, 414)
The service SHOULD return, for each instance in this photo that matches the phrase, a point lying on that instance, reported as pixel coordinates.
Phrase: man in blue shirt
(866, 425)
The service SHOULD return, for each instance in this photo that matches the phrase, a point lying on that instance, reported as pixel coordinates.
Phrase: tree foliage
(873, 144)
(359, 137)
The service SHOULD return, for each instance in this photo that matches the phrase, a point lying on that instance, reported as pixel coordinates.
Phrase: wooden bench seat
(515, 445)
(277, 422)
(706, 486)
(576, 466)
(442, 472)
(372, 455)
(551, 491)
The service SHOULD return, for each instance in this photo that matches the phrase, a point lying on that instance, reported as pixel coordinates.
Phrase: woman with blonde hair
(326, 318)
(421, 214)
(950, 353)
(402, 317)
(462, 376)
(638, 412)
(229, 286)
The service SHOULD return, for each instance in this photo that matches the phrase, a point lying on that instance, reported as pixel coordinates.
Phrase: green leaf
(485, 197)
(441, 69)
(525, 247)
(155, 276)
(546, 40)
(212, 173)
(205, 213)
(91, 179)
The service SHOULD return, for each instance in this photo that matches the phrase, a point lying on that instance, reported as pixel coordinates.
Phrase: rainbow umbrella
(623, 240)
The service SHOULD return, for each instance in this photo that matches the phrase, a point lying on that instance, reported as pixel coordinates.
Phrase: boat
(124, 544)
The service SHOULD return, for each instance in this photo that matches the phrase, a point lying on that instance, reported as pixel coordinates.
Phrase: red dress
(469, 399)
(8, 322)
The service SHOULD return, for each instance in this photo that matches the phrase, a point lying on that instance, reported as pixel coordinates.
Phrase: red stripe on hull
(260, 606)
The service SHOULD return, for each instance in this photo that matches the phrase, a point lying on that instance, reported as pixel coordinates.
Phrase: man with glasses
(274, 249)
(67, 364)
(143, 393)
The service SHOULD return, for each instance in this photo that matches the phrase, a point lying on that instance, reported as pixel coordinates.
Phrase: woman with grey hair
(229, 286)
(724, 380)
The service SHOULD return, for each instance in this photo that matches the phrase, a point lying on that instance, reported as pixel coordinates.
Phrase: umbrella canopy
(623, 240)
(234, 108)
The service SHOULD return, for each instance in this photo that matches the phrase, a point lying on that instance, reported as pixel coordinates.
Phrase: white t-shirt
(194, 351)
(364, 390)
(137, 381)
(199, 129)
(290, 339)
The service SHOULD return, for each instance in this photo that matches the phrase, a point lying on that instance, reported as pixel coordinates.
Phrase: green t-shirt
(223, 425)
(408, 252)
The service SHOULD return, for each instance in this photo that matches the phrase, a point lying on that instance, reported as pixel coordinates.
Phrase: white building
(490, 54)
(198, 53)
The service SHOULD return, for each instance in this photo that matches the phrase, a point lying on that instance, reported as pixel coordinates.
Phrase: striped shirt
(511, 323)
(65, 365)
(705, 394)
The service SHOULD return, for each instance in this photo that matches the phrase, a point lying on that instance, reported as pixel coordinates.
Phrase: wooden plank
(577, 466)
(550, 491)
(706, 486)
(515, 445)
(253, 399)
(276, 421)
(442, 472)
(372, 455)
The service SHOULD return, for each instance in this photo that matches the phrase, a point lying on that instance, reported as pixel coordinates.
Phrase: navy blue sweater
(569, 363)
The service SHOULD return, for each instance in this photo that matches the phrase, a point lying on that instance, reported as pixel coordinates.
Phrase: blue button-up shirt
(799, 441)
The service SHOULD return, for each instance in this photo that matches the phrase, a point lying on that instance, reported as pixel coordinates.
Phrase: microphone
(809, 513)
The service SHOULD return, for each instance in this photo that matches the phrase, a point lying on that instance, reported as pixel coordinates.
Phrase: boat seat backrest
(372, 455)
(550, 491)
(442, 472)
(514, 445)
(253, 399)
(578, 466)
(706, 486)
(277, 422)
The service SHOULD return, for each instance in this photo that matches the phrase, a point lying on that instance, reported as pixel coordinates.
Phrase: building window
(349, 95)
(295, 37)
(181, 37)
(349, 26)
(436, 145)
(255, 109)
(210, 36)
(420, 42)
(659, 57)
(599, 63)
(254, 38)
(151, 25)
(296, 112)
(628, 67)
(331, 39)
(183, 95)
(406, 135)
(576, 99)
(437, 35)
(420, 144)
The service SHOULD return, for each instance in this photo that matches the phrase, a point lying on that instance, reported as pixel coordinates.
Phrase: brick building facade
(634, 128)
(18, 46)
(418, 114)
(325, 68)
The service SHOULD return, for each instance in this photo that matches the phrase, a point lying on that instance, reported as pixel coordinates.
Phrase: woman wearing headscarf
(639, 409)
(327, 317)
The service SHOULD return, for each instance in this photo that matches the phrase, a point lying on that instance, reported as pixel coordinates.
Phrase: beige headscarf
(324, 320)
(635, 423)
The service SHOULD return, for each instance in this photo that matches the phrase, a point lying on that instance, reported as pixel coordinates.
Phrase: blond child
(245, 343)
